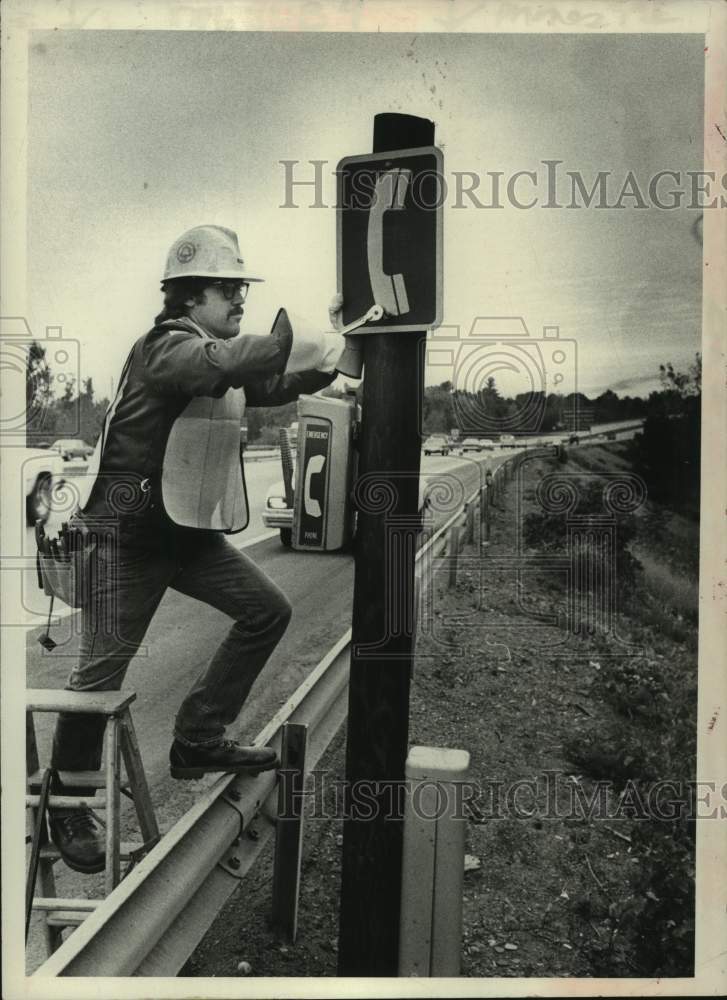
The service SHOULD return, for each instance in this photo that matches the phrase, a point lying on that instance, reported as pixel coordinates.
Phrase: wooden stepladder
(105, 788)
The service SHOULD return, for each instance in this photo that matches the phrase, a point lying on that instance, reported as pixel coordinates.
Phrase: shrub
(546, 532)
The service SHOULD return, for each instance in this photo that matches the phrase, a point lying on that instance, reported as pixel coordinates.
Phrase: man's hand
(335, 309)
(350, 362)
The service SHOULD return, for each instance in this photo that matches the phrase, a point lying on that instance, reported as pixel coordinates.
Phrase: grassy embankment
(656, 693)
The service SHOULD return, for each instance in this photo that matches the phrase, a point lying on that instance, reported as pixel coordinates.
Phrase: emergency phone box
(322, 516)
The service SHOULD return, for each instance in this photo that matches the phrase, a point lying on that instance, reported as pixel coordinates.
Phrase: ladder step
(94, 702)
(65, 918)
(53, 903)
(127, 850)
(74, 779)
(69, 801)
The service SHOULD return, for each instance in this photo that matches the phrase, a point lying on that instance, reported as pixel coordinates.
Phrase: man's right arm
(177, 361)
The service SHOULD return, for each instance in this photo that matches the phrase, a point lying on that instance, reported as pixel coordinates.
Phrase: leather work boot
(227, 757)
(80, 836)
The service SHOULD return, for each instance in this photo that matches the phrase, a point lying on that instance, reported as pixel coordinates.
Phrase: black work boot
(226, 757)
(80, 836)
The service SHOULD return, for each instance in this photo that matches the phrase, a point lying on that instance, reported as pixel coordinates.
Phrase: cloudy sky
(137, 136)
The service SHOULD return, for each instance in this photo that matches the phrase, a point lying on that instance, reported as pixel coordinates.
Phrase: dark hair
(176, 292)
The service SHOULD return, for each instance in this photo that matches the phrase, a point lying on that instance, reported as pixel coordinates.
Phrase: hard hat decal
(206, 252)
(186, 252)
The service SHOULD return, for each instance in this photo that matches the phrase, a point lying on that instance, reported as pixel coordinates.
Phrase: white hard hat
(207, 252)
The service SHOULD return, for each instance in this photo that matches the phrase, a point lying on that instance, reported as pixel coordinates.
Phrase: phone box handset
(351, 361)
(389, 290)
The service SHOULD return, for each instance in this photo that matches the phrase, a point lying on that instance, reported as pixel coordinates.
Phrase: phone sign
(316, 459)
(389, 238)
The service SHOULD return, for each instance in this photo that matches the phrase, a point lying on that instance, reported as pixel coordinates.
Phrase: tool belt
(63, 566)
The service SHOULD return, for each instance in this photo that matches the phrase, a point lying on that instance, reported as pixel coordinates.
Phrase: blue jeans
(129, 579)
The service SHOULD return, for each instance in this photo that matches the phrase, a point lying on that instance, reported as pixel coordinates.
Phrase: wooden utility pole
(378, 713)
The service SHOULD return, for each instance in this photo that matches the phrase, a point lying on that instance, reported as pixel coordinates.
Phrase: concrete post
(435, 826)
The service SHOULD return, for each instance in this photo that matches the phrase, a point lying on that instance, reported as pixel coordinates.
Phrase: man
(168, 479)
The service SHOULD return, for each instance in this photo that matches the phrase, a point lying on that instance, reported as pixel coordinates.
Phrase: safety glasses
(231, 288)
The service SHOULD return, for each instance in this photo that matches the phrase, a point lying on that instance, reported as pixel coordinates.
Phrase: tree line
(56, 409)
(666, 454)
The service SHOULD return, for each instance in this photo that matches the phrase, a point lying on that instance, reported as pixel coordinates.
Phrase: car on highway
(71, 448)
(471, 444)
(42, 472)
(436, 444)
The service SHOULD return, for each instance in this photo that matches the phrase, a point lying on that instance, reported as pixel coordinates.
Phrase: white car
(436, 443)
(277, 513)
(470, 444)
(42, 470)
(72, 448)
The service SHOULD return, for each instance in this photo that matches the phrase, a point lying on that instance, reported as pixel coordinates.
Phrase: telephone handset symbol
(315, 465)
(389, 289)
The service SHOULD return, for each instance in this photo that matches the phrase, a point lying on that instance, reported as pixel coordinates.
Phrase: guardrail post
(289, 832)
(470, 532)
(485, 514)
(435, 826)
(453, 554)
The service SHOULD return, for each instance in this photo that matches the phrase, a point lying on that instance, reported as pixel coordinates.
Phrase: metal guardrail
(594, 435)
(151, 923)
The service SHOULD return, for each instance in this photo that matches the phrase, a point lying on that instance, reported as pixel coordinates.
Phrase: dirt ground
(548, 889)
